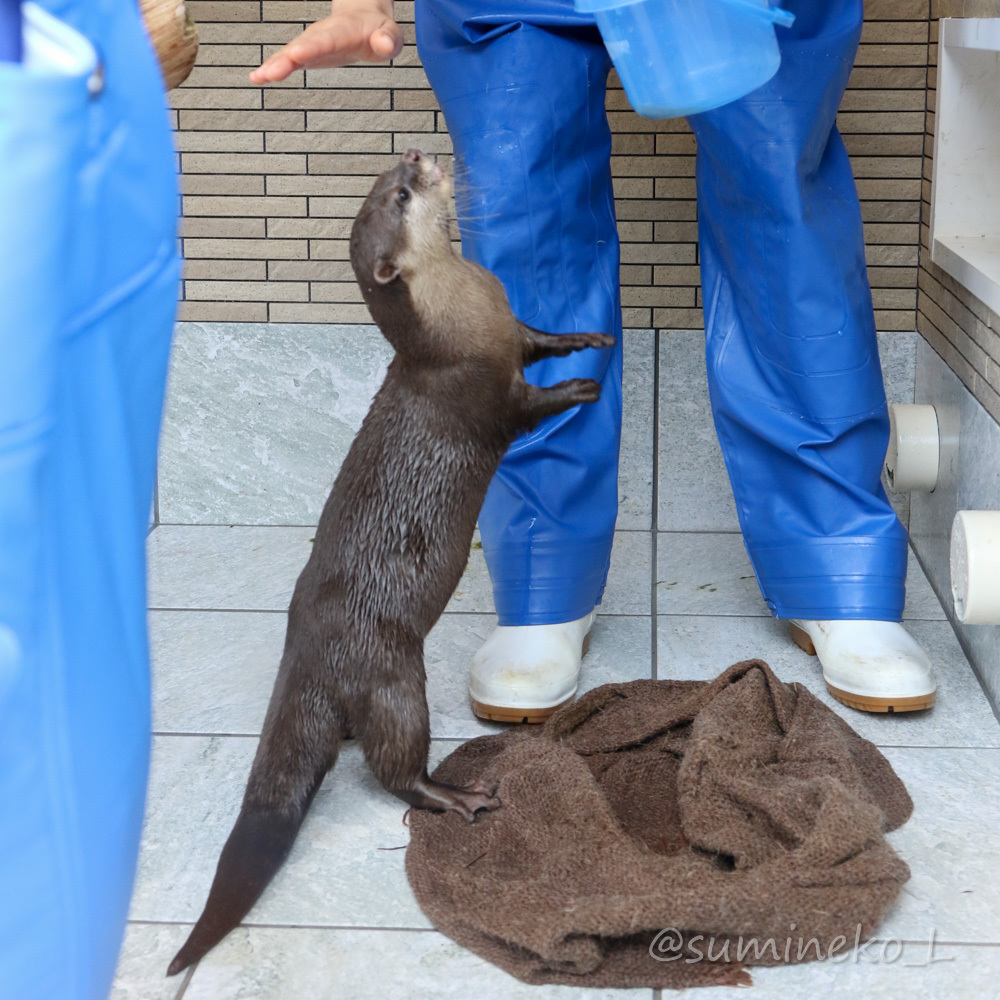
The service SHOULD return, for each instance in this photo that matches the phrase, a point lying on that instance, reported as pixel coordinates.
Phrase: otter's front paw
(582, 390)
(596, 340)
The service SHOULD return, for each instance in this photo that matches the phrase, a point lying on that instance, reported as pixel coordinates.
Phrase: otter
(394, 535)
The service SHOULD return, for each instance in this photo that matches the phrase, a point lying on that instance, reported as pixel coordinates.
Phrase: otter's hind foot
(468, 801)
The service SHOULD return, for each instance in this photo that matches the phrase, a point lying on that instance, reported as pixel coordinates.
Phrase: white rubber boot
(869, 665)
(523, 673)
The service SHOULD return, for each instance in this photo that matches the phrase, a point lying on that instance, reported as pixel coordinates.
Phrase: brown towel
(740, 810)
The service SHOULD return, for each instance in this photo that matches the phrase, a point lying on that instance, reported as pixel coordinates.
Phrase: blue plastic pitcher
(679, 57)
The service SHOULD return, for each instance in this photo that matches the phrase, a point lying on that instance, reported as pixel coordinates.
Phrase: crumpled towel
(646, 814)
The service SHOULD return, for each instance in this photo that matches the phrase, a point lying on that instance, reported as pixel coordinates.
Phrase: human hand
(355, 31)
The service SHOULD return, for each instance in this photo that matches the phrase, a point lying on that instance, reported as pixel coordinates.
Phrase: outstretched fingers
(344, 37)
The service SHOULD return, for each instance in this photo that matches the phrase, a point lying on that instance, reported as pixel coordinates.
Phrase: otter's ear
(385, 270)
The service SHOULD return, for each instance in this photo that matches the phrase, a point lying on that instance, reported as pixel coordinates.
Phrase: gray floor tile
(921, 601)
(628, 591)
(215, 567)
(276, 964)
(344, 922)
(337, 873)
(710, 573)
(938, 972)
(951, 845)
(635, 465)
(213, 670)
(337, 876)
(953, 895)
(699, 647)
(265, 962)
(693, 491)
(259, 418)
(142, 964)
(705, 574)
(447, 652)
(254, 568)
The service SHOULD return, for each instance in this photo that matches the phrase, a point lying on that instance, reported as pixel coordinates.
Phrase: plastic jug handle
(781, 17)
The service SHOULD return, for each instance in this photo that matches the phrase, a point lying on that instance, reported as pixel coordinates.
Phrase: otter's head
(402, 224)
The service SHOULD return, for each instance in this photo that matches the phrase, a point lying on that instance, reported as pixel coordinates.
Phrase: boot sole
(864, 702)
(532, 716)
(497, 713)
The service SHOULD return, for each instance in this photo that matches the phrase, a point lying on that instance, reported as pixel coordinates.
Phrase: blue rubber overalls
(88, 286)
(794, 374)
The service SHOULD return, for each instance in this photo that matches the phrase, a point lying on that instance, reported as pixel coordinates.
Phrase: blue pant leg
(522, 91)
(74, 675)
(793, 364)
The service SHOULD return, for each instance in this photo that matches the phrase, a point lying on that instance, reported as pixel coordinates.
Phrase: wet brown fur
(394, 535)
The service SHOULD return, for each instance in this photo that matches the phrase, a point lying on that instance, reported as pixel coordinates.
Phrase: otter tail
(286, 774)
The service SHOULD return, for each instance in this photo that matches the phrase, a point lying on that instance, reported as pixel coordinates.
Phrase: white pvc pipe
(975, 566)
(914, 454)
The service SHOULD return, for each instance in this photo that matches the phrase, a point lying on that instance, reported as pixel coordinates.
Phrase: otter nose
(413, 156)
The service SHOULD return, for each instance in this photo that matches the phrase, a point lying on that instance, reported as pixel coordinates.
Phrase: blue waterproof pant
(88, 286)
(793, 365)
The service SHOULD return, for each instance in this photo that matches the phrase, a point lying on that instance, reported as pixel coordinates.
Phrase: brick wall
(272, 177)
(964, 331)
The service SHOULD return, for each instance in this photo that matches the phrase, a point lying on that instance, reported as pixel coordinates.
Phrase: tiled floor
(339, 921)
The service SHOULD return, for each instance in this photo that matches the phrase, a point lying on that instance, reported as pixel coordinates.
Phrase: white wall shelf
(965, 190)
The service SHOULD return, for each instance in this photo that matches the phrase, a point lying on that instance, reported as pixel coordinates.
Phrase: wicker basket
(174, 36)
